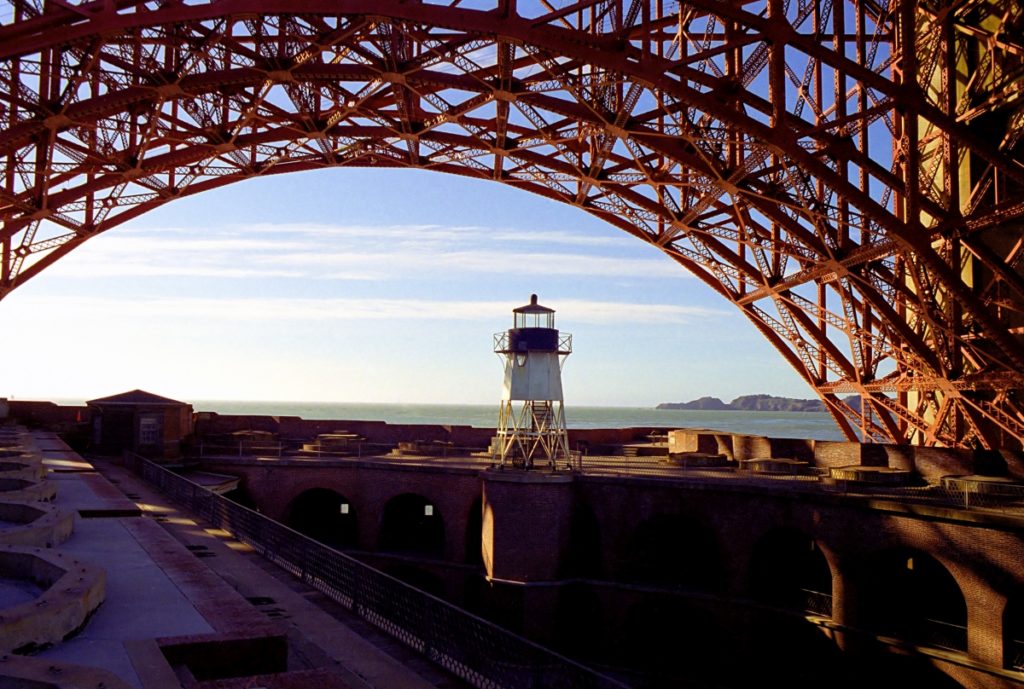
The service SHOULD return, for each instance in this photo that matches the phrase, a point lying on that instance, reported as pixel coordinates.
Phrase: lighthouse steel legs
(532, 432)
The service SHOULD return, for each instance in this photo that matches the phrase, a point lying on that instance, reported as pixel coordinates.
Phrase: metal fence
(817, 602)
(1015, 654)
(246, 448)
(942, 634)
(358, 449)
(469, 647)
(968, 494)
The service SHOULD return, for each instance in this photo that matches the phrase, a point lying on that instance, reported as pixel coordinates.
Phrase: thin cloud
(219, 244)
(310, 251)
(482, 262)
(392, 233)
(320, 310)
(92, 269)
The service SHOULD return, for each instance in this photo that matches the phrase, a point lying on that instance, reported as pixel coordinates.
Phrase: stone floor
(169, 575)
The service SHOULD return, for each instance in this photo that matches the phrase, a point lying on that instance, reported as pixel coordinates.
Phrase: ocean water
(775, 424)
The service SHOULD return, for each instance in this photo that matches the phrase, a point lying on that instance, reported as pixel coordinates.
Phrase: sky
(371, 285)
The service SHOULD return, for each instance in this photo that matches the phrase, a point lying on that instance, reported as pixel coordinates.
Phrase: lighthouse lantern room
(531, 421)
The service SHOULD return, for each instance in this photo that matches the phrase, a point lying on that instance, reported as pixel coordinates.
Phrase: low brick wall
(295, 428)
(928, 462)
(47, 414)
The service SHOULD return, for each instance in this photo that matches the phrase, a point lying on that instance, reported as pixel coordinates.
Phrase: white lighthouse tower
(531, 422)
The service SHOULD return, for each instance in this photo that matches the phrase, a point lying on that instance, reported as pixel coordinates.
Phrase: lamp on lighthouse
(531, 420)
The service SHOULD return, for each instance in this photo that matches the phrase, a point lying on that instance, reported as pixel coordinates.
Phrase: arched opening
(413, 525)
(1013, 632)
(474, 532)
(326, 516)
(242, 497)
(788, 570)
(674, 551)
(911, 595)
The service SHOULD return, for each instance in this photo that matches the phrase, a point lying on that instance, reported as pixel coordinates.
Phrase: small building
(151, 425)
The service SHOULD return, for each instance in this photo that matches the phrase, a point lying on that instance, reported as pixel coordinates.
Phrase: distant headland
(748, 403)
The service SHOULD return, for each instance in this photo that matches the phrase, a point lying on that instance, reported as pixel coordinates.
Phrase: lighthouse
(531, 421)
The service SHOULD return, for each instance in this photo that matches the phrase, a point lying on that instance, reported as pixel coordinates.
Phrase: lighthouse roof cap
(533, 307)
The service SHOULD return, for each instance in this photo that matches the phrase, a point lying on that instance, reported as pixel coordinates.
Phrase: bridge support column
(525, 532)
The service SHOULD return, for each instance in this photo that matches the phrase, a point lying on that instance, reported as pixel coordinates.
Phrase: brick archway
(910, 594)
(412, 523)
(788, 569)
(325, 515)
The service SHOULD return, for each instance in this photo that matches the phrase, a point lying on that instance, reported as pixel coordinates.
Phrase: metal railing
(817, 602)
(626, 464)
(469, 647)
(967, 495)
(357, 449)
(658, 465)
(1015, 654)
(240, 448)
(942, 634)
(501, 342)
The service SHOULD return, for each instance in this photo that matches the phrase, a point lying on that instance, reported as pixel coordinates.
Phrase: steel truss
(848, 174)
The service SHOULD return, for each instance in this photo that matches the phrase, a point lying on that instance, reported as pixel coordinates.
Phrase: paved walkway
(142, 600)
(169, 576)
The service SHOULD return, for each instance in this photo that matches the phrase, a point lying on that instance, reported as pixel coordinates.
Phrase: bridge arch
(863, 235)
